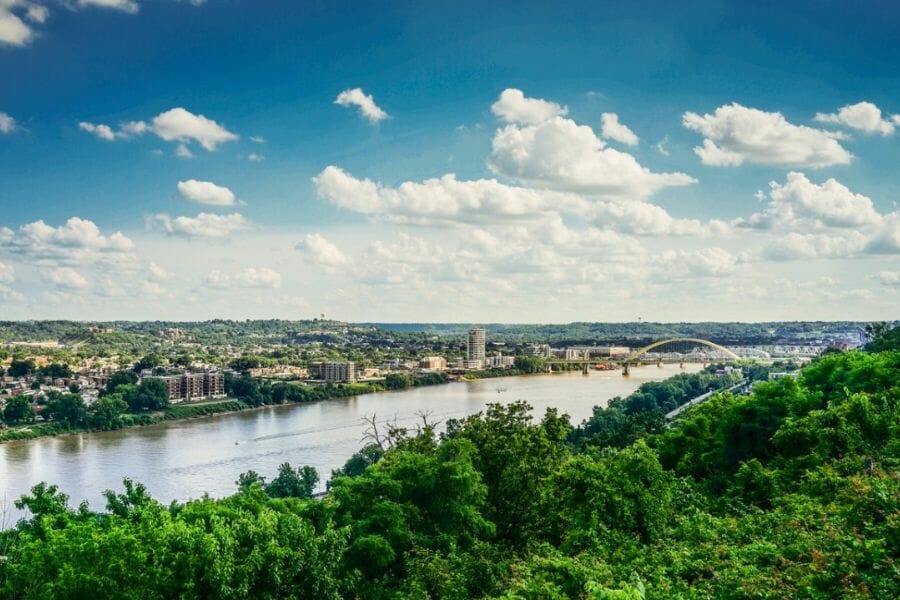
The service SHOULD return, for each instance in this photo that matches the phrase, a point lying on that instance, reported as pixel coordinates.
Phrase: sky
(449, 161)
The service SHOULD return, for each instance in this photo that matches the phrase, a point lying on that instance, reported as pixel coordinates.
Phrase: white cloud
(254, 157)
(366, 104)
(77, 241)
(157, 272)
(7, 273)
(129, 6)
(204, 225)
(182, 151)
(182, 125)
(262, 277)
(863, 116)
(888, 278)
(174, 125)
(322, 252)
(13, 30)
(560, 154)
(794, 246)
(800, 202)
(887, 239)
(443, 199)
(642, 218)
(704, 262)
(7, 123)
(612, 129)
(66, 277)
(258, 139)
(735, 133)
(104, 132)
(37, 13)
(206, 192)
(661, 146)
(513, 107)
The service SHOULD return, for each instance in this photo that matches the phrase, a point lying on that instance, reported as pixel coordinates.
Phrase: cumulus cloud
(179, 124)
(612, 129)
(13, 30)
(364, 102)
(157, 272)
(254, 157)
(888, 278)
(76, 241)
(204, 225)
(7, 273)
(704, 262)
(129, 6)
(67, 278)
(262, 277)
(887, 238)
(104, 132)
(562, 155)
(7, 123)
(794, 246)
(642, 218)
(735, 134)
(800, 202)
(444, 198)
(320, 251)
(206, 192)
(513, 107)
(174, 125)
(862, 116)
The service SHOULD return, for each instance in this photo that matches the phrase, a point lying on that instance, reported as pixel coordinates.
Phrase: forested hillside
(792, 491)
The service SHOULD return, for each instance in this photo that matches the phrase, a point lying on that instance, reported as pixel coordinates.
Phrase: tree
(21, 368)
(66, 408)
(154, 393)
(250, 479)
(150, 361)
(290, 483)
(18, 408)
(106, 411)
(120, 378)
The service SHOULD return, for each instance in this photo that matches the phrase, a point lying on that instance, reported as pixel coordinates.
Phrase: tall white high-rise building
(475, 345)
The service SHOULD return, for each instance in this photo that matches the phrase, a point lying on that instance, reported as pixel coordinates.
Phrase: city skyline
(192, 160)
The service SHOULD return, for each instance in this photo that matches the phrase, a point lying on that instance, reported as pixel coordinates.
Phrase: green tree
(17, 409)
(21, 368)
(291, 483)
(66, 408)
(105, 412)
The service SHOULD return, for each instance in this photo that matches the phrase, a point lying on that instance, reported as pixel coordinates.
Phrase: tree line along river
(180, 460)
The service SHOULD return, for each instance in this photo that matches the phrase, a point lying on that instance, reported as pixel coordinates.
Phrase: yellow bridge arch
(638, 353)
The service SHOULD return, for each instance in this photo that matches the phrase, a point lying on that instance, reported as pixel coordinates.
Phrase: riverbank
(258, 395)
(32, 431)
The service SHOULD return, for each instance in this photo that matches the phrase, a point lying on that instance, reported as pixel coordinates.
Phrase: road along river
(179, 460)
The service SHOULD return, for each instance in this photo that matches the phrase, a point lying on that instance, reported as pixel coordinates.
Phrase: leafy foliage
(791, 491)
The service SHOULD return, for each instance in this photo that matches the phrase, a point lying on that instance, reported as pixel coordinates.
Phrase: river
(179, 460)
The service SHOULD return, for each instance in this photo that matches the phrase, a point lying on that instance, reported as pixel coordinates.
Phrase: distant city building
(333, 372)
(475, 345)
(195, 386)
(539, 350)
(501, 362)
(436, 363)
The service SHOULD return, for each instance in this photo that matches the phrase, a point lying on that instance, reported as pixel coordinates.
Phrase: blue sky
(789, 212)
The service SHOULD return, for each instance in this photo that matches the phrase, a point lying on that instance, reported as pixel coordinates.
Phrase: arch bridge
(634, 357)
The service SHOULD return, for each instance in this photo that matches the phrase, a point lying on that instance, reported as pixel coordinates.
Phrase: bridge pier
(625, 369)
(584, 368)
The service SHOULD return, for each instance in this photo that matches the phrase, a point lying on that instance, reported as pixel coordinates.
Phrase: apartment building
(333, 372)
(195, 386)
